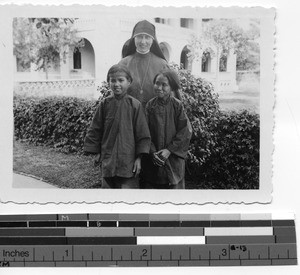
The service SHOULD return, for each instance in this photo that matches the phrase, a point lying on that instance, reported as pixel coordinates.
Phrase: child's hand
(137, 167)
(158, 160)
(97, 160)
(164, 154)
(160, 157)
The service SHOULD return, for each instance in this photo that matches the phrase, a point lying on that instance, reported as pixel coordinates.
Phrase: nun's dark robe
(143, 69)
(119, 132)
(170, 129)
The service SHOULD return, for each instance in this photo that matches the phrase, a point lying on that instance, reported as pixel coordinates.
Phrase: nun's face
(143, 43)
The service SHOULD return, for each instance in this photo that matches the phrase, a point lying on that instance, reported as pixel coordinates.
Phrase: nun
(144, 59)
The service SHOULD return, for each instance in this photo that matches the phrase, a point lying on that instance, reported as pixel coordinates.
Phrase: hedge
(60, 122)
(234, 160)
(224, 149)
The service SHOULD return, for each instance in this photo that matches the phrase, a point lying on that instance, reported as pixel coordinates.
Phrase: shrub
(234, 160)
(202, 108)
(57, 121)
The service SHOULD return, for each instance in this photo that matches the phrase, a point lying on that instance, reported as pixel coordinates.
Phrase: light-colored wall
(106, 36)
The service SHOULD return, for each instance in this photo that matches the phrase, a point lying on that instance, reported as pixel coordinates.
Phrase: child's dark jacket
(170, 129)
(119, 132)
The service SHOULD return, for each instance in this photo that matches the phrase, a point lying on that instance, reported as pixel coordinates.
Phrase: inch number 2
(144, 251)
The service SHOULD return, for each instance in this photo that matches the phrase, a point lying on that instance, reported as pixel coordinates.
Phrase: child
(119, 133)
(170, 132)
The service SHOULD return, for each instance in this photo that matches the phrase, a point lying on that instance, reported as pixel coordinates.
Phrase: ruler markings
(240, 252)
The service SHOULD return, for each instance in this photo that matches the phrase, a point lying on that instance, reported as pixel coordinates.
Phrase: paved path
(22, 181)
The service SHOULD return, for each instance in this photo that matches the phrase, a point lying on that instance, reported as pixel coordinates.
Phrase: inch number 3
(224, 252)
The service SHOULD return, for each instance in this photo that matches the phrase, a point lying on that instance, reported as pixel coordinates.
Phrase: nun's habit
(143, 67)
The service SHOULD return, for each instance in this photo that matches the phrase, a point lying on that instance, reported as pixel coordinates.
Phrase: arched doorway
(184, 59)
(166, 49)
(84, 59)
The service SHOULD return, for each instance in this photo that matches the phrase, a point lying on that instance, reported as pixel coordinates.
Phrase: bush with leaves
(60, 122)
(234, 160)
(202, 108)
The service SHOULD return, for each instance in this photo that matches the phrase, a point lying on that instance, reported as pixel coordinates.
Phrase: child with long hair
(170, 132)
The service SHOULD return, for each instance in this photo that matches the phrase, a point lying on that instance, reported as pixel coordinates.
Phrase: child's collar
(118, 97)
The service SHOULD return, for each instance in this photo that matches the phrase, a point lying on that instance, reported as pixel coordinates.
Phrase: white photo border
(135, 197)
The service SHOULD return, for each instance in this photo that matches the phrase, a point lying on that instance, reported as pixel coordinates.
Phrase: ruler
(95, 240)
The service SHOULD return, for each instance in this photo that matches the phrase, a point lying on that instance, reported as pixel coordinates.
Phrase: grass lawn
(59, 169)
(247, 96)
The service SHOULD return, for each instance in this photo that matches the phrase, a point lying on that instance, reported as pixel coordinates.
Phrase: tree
(220, 36)
(44, 41)
(248, 58)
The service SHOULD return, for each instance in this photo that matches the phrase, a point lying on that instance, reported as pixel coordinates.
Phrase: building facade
(86, 68)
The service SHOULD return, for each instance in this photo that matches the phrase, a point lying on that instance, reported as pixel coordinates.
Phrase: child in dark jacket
(119, 133)
(170, 132)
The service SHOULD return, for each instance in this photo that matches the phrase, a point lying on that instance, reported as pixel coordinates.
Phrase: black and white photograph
(108, 99)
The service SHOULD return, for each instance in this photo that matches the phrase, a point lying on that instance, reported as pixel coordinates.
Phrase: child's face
(119, 83)
(162, 87)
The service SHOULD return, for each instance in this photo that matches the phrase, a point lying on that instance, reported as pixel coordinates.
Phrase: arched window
(223, 64)
(184, 59)
(77, 58)
(206, 62)
(84, 59)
